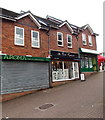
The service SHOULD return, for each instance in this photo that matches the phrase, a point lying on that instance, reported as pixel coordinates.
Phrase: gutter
(7, 18)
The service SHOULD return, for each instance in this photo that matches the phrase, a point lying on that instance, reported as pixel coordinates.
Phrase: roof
(87, 26)
(8, 14)
(43, 23)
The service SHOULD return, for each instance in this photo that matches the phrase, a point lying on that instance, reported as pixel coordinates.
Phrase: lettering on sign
(14, 57)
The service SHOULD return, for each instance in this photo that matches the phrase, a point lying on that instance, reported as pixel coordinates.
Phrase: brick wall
(8, 46)
(94, 47)
(53, 40)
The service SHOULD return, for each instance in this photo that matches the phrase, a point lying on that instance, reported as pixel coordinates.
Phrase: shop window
(86, 62)
(94, 60)
(84, 39)
(90, 63)
(35, 39)
(19, 36)
(90, 40)
(64, 70)
(66, 65)
(69, 41)
(82, 62)
(54, 66)
(60, 38)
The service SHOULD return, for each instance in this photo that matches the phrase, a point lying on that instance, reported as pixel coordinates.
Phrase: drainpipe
(50, 65)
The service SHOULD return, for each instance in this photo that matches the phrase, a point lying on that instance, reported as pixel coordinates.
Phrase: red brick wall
(94, 47)
(53, 40)
(8, 46)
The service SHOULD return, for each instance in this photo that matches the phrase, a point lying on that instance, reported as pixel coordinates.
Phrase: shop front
(22, 73)
(64, 66)
(88, 60)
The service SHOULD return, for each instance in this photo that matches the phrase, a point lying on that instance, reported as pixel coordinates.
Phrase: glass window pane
(84, 39)
(19, 36)
(86, 62)
(19, 41)
(69, 45)
(35, 35)
(90, 63)
(90, 40)
(59, 37)
(35, 43)
(69, 38)
(59, 43)
(35, 39)
(82, 62)
(19, 31)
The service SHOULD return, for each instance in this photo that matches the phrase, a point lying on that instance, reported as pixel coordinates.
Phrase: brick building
(37, 51)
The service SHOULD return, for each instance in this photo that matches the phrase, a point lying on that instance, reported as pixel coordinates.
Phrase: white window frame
(15, 36)
(69, 42)
(84, 40)
(90, 40)
(60, 40)
(32, 39)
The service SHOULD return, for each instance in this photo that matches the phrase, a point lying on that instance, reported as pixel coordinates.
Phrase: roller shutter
(18, 76)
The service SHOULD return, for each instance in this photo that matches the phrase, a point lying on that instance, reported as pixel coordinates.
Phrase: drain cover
(46, 106)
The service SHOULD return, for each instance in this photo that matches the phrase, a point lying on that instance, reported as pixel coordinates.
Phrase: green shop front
(88, 60)
(24, 73)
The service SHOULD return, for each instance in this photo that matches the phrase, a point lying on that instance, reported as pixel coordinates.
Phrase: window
(90, 40)
(35, 39)
(86, 62)
(60, 38)
(84, 39)
(90, 63)
(69, 41)
(82, 62)
(19, 36)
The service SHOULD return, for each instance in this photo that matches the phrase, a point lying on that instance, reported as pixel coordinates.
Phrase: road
(73, 100)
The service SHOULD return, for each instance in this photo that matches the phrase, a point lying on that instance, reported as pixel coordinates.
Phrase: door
(75, 70)
(71, 73)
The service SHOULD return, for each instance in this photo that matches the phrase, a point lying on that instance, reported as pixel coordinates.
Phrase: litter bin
(83, 77)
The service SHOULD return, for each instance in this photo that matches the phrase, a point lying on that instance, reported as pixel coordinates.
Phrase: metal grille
(46, 106)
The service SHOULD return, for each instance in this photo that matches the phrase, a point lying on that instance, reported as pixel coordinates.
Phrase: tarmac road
(73, 100)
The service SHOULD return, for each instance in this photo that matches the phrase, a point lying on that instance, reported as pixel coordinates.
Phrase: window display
(64, 70)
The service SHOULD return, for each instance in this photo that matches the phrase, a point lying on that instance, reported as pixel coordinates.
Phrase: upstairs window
(35, 42)
(90, 40)
(69, 41)
(19, 36)
(60, 38)
(84, 39)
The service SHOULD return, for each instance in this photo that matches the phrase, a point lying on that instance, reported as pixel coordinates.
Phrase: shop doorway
(75, 70)
(64, 70)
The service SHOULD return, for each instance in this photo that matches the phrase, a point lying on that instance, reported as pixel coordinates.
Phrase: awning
(83, 50)
(100, 59)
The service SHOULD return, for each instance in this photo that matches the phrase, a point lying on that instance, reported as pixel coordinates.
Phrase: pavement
(73, 100)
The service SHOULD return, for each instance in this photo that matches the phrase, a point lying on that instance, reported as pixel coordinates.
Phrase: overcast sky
(77, 12)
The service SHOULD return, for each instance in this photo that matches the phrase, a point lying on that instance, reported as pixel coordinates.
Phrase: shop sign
(64, 55)
(14, 57)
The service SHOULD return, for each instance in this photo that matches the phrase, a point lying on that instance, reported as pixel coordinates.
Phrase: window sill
(70, 47)
(19, 45)
(36, 47)
(61, 46)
